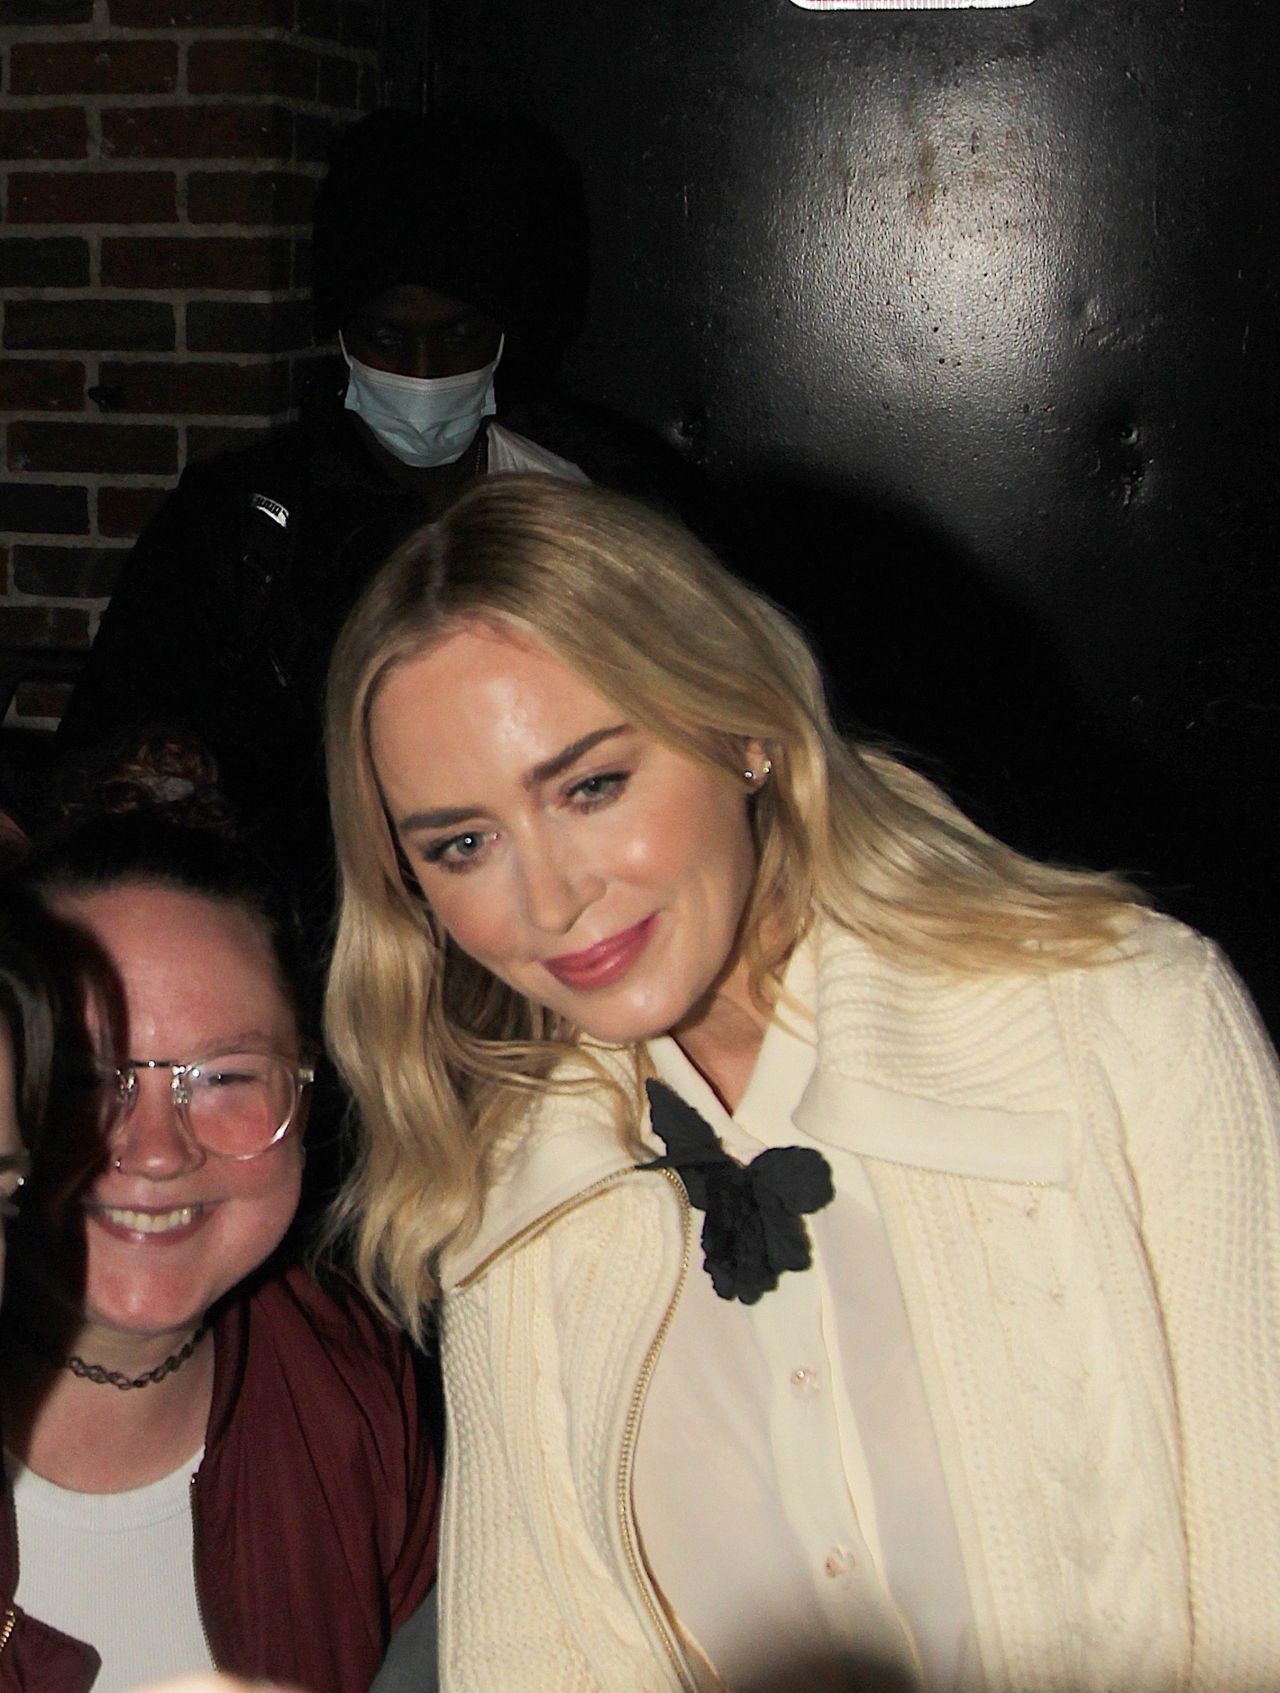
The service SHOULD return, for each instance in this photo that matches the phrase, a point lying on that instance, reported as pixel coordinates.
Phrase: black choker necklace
(99, 1374)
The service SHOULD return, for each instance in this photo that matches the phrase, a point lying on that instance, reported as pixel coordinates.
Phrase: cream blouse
(787, 1483)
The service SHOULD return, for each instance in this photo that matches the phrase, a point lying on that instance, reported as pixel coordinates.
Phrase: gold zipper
(545, 1221)
(195, 1573)
(632, 1428)
(11, 1613)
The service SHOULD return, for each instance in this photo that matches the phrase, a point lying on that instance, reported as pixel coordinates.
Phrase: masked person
(447, 261)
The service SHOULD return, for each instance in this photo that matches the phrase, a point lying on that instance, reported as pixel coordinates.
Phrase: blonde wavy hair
(442, 1059)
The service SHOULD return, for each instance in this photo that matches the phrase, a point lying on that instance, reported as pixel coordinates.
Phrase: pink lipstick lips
(601, 965)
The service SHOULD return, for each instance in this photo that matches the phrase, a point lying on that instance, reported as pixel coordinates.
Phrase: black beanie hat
(485, 209)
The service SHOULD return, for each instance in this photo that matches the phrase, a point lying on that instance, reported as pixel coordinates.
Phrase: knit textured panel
(1101, 1351)
(1206, 1144)
(541, 1355)
(1104, 1356)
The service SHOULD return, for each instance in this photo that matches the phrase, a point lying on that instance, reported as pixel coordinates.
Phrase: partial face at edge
(10, 1136)
(578, 859)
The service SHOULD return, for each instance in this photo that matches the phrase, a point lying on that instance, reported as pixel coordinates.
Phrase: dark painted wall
(970, 319)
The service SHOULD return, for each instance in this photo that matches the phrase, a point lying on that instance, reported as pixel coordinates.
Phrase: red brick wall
(158, 160)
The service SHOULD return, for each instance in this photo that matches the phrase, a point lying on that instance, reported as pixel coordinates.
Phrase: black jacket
(227, 610)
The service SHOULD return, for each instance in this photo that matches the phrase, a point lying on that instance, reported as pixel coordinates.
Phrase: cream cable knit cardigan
(1079, 1177)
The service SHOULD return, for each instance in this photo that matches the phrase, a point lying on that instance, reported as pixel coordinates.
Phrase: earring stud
(761, 775)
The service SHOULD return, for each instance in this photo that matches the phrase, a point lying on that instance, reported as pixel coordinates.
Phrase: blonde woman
(856, 1247)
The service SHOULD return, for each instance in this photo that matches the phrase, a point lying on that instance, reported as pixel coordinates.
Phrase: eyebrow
(547, 771)
(239, 1040)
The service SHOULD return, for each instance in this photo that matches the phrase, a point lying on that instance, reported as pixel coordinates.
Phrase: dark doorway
(968, 320)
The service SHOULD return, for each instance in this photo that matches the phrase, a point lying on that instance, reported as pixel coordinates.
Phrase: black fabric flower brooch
(754, 1227)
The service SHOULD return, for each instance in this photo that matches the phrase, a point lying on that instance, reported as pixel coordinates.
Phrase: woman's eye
(593, 791)
(216, 1079)
(459, 852)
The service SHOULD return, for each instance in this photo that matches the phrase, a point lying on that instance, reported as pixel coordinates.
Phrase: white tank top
(114, 1570)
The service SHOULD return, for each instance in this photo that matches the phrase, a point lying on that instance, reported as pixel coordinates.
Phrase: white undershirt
(114, 1570)
(787, 1482)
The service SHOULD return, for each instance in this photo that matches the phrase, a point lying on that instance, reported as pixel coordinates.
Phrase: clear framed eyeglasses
(232, 1104)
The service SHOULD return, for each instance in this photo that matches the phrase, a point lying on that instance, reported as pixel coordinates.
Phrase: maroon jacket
(314, 1508)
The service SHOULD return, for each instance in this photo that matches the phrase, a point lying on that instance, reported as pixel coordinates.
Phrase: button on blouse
(787, 1482)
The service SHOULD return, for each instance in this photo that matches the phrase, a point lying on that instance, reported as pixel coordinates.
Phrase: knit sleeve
(541, 1355)
(1206, 1157)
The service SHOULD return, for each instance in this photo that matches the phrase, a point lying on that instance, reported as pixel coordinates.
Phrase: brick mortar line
(71, 480)
(92, 604)
(233, 420)
(62, 602)
(147, 99)
(162, 357)
(141, 420)
(182, 196)
(148, 355)
(294, 106)
(162, 296)
(108, 34)
(176, 230)
(136, 167)
(93, 481)
(143, 355)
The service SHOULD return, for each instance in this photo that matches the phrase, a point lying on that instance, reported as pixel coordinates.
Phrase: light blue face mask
(421, 420)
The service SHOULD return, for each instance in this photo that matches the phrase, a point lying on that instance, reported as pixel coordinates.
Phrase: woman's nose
(556, 889)
(150, 1138)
